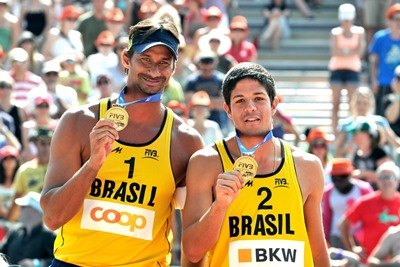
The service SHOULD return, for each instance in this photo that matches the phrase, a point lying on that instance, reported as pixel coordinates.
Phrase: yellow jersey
(125, 219)
(264, 225)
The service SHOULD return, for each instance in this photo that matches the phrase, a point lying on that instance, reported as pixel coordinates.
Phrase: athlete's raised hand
(228, 187)
(102, 137)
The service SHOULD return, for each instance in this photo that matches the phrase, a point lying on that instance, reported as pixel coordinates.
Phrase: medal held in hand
(247, 166)
(119, 116)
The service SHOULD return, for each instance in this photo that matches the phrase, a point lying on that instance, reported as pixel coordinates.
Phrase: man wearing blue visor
(117, 167)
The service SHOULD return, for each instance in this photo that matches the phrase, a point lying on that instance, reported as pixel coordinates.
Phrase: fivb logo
(281, 182)
(266, 253)
(150, 154)
(118, 218)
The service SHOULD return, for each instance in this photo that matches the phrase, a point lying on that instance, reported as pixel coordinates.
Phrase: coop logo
(117, 218)
(150, 154)
(281, 182)
(266, 253)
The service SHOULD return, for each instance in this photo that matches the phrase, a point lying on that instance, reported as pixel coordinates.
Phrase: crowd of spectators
(56, 55)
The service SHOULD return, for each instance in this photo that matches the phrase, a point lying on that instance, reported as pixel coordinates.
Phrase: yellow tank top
(265, 225)
(125, 219)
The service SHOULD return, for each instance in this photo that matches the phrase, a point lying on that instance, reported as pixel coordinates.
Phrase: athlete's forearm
(202, 235)
(61, 203)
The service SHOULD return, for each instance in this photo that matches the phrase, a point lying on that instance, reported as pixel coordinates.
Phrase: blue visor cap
(159, 37)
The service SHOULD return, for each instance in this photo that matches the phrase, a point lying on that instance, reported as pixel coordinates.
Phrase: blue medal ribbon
(251, 151)
(153, 98)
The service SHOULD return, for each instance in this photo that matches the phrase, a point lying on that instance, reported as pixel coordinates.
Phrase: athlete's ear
(227, 110)
(125, 59)
(274, 105)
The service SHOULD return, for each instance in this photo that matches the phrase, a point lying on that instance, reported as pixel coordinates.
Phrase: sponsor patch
(266, 253)
(118, 219)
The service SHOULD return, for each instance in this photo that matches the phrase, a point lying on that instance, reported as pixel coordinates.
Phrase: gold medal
(119, 116)
(247, 166)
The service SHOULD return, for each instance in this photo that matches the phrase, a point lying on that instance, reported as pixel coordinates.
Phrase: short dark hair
(248, 70)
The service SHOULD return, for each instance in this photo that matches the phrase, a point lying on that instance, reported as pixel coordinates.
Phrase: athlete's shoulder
(207, 162)
(79, 118)
(300, 156)
(309, 169)
(185, 132)
(210, 153)
(86, 111)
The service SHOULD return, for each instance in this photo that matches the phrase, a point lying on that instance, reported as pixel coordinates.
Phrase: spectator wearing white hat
(28, 42)
(63, 97)
(374, 212)
(213, 19)
(24, 79)
(368, 154)
(29, 244)
(219, 43)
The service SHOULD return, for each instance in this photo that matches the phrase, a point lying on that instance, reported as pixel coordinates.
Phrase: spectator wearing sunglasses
(318, 144)
(338, 196)
(104, 88)
(30, 175)
(63, 97)
(208, 79)
(374, 212)
(41, 118)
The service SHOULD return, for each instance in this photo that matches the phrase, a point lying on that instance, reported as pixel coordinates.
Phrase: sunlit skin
(251, 111)
(150, 80)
